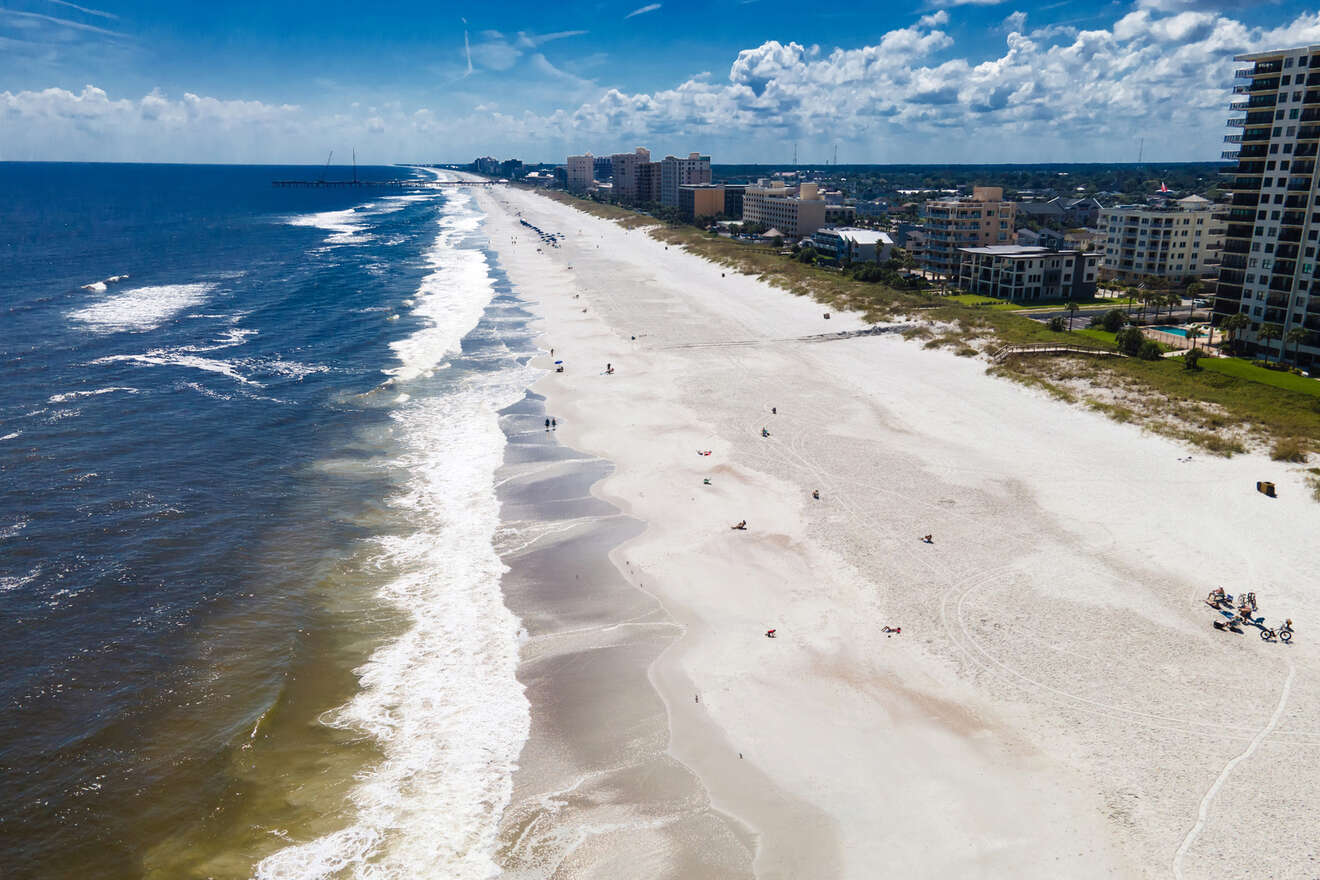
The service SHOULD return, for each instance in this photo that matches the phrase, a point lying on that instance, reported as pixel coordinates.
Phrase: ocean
(249, 590)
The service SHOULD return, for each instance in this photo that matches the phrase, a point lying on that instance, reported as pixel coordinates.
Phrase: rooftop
(860, 236)
(1016, 250)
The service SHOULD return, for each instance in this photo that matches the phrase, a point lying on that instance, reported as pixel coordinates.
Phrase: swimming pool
(1176, 331)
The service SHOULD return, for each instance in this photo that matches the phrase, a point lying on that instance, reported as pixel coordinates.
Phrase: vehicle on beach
(1284, 633)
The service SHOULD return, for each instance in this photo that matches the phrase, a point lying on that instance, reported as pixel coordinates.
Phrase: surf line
(1228, 768)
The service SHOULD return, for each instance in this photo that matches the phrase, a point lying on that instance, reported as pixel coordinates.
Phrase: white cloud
(642, 10)
(1052, 94)
(1014, 23)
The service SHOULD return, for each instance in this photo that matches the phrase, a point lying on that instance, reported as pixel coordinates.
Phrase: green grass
(1104, 337)
(1250, 372)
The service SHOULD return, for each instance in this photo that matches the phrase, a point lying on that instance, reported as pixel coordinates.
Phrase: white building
(1270, 270)
(581, 172)
(675, 172)
(846, 245)
(1176, 240)
(1017, 273)
(795, 210)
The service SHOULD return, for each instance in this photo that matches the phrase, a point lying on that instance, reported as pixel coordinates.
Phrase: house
(843, 245)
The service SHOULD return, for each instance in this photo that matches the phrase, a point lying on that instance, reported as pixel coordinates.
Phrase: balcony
(1303, 166)
(1230, 154)
(1252, 135)
(1245, 198)
(1299, 183)
(1264, 68)
(1308, 132)
(1248, 214)
(1236, 122)
(1242, 184)
(1232, 138)
(1237, 246)
(1293, 218)
(1305, 150)
(1312, 97)
(1234, 261)
(1292, 233)
(1311, 114)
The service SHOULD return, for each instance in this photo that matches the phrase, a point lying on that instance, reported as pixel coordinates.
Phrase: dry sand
(1057, 705)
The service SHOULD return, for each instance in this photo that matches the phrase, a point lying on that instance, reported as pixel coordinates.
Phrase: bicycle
(1284, 633)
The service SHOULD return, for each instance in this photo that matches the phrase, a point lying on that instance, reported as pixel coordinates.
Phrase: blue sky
(745, 80)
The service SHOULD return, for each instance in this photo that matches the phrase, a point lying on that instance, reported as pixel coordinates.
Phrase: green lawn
(1102, 336)
(1241, 369)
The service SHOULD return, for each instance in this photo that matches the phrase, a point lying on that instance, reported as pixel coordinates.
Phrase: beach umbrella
(558, 362)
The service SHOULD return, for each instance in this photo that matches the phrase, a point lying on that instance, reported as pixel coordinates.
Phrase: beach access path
(1057, 705)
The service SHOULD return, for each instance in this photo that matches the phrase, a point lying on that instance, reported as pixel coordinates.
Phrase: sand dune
(1057, 705)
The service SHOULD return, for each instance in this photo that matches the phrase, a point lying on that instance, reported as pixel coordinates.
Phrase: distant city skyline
(968, 81)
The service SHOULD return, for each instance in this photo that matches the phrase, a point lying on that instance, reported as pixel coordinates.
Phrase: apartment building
(698, 200)
(795, 211)
(982, 219)
(624, 166)
(1268, 270)
(1175, 240)
(648, 182)
(675, 172)
(1019, 273)
(581, 172)
(843, 245)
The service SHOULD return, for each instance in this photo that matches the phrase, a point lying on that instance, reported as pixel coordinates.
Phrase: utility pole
(794, 154)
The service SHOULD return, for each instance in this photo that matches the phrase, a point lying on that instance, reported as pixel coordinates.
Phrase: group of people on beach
(1244, 614)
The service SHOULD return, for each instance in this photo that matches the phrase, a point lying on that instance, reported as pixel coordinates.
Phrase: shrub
(1129, 340)
(1191, 359)
(1056, 324)
(1113, 320)
(1150, 351)
(1289, 449)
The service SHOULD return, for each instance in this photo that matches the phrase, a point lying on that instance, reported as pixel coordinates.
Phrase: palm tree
(1269, 333)
(1295, 336)
(1194, 292)
(1172, 299)
(1193, 334)
(1132, 293)
(1233, 325)
(1072, 313)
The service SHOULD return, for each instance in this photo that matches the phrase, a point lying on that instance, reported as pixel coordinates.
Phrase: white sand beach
(1057, 704)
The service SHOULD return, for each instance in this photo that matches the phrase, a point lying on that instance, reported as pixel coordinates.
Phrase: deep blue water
(162, 518)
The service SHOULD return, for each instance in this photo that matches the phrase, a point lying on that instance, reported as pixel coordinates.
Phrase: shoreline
(930, 754)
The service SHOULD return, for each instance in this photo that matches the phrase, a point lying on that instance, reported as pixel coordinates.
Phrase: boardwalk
(1050, 348)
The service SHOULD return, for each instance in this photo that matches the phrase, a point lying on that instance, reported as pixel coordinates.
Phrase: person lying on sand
(765, 433)
(741, 526)
(769, 634)
(896, 630)
(928, 540)
(815, 493)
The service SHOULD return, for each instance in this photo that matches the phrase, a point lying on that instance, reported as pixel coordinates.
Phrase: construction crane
(326, 170)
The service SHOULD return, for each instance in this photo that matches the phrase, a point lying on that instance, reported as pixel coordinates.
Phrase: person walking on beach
(547, 424)
(554, 425)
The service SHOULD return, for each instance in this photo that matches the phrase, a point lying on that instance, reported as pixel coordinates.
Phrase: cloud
(84, 9)
(496, 51)
(1086, 90)
(36, 18)
(1014, 23)
(642, 10)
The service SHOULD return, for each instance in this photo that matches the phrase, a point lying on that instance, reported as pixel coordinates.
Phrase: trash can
(1266, 488)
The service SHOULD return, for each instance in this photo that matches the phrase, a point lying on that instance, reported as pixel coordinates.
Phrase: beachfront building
(733, 199)
(624, 167)
(648, 182)
(794, 210)
(698, 200)
(1019, 273)
(1269, 268)
(1174, 240)
(982, 219)
(675, 172)
(581, 172)
(839, 214)
(844, 245)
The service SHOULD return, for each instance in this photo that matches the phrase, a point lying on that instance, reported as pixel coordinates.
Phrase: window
(1269, 166)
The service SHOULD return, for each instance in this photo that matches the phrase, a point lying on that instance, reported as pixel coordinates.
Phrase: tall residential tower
(1268, 269)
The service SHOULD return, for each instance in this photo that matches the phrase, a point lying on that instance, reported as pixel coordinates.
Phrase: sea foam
(442, 701)
(141, 308)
